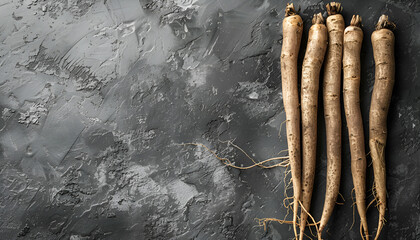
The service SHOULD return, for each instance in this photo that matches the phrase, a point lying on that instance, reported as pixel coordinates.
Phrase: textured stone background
(95, 97)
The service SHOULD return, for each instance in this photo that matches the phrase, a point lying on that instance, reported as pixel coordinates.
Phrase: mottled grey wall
(95, 97)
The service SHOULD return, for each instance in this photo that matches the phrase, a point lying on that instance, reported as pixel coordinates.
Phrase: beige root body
(312, 63)
(332, 109)
(353, 37)
(383, 52)
(292, 34)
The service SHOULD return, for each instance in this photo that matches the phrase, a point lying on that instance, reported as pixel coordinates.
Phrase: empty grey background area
(96, 98)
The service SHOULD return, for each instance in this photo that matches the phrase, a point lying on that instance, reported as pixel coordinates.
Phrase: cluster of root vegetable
(336, 48)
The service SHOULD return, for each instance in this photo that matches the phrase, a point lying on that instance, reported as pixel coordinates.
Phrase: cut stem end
(318, 19)
(334, 8)
(356, 21)
(290, 10)
(383, 22)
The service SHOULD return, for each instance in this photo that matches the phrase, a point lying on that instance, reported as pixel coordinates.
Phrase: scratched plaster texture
(96, 96)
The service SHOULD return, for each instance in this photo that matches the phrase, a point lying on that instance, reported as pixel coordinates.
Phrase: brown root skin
(290, 10)
(311, 67)
(332, 113)
(292, 35)
(353, 37)
(356, 21)
(383, 41)
(385, 23)
(334, 8)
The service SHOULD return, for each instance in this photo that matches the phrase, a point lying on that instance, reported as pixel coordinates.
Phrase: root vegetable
(332, 110)
(383, 52)
(292, 34)
(312, 63)
(353, 37)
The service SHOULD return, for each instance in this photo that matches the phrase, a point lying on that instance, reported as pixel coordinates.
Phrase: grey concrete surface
(96, 96)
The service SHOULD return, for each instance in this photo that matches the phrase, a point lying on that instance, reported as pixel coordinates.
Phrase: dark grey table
(96, 96)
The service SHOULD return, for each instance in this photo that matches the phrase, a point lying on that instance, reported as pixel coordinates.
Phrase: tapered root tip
(356, 21)
(317, 19)
(290, 10)
(380, 226)
(334, 8)
(381, 222)
(301, 234)
(383, 22)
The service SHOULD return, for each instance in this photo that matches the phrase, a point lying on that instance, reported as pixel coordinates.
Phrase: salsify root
(332, 108)
(353, 37)
(292, 35)
(383, 51)
(311, 68)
